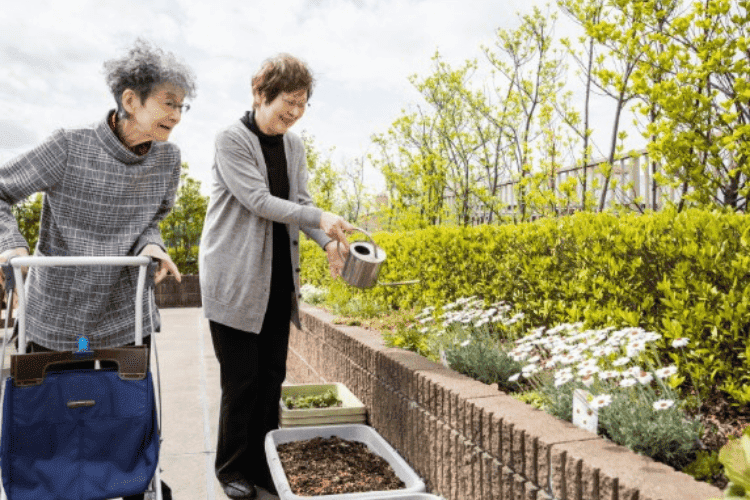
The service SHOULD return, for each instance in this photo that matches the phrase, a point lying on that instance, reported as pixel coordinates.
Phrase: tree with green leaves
(698, 80)
(182, 228)
(28, 214)
(324, 180)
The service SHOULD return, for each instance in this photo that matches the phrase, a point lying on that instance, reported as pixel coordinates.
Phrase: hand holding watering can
(335, 227)
(360, 262)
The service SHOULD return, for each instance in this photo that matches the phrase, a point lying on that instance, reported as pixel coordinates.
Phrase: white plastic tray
(352, 411)
(351, 432)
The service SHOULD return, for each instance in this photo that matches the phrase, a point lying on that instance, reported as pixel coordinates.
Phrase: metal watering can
(362, 265)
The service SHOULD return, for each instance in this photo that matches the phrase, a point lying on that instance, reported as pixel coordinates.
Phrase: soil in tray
(327, 466)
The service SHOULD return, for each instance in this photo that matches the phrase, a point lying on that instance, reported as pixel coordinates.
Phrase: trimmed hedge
(681, 274)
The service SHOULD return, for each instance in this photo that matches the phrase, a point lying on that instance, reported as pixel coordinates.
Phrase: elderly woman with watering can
(249, 264)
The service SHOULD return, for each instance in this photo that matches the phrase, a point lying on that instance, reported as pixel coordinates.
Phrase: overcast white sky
(362, 51)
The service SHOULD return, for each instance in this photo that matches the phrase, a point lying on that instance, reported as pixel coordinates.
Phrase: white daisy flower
(667, 371)
(663, 404)
(621, 361)
(628, 382)
(608, 350)
(588, 371)
(563, 379)
(635, 347)
(530, 368)
(680, 342)
(569, 359)
(599, 352)
(634, 333)
(601, 401)
(644, 378)
(651, 337)
(609, 374)
(633, 371)
(588, 380)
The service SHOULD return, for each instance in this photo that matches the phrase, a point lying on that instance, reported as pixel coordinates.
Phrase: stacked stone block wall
(468, 440)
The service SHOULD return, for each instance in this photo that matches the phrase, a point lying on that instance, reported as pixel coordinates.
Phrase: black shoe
(239, 489)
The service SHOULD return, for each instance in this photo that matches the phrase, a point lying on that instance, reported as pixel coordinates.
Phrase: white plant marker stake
(584, 415)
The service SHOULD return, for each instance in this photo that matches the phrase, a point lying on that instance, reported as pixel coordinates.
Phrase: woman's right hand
(335, 226)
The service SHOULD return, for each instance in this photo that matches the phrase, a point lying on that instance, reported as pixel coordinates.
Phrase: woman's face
(156, 117)
(277, 116)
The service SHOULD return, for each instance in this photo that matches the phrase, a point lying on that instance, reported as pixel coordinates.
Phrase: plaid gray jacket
(100, 199)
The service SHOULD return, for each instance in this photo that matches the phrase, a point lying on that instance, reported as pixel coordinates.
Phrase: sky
(360, 51)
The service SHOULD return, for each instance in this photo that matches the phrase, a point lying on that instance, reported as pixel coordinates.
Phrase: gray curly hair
(143, 68)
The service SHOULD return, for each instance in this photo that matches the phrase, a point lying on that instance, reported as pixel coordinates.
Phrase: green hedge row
(680, 274)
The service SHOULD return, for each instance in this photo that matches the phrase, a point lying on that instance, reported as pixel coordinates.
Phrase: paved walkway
(190, 395)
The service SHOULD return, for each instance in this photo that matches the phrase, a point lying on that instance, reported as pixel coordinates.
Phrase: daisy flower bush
(637, 401)
(468, 336)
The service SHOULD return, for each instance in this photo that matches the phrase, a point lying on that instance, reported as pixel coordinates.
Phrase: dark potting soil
(326, 466)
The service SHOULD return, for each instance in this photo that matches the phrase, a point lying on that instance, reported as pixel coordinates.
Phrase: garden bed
(470, 354)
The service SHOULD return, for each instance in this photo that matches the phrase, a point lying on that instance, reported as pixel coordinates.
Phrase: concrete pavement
(190, 395)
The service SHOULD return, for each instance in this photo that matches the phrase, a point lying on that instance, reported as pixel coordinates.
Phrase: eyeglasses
(300, 105)
(182, 108)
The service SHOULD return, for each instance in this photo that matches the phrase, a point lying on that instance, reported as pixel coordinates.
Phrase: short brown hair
(283, 73)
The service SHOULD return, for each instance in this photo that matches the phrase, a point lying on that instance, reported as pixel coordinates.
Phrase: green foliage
(705, 467)
(28, 215)
(684, 275)
(323, 183)
(534, 398)
(662, 435)
(735, 457)
(313, 295)
(409, 339)
(325, 400)
(359, 303)
(182, 228)
(482, 360)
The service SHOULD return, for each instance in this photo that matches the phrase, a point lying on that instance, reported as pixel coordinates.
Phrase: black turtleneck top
(278, 180)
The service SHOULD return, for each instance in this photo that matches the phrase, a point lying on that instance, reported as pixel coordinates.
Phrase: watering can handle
(374, 245)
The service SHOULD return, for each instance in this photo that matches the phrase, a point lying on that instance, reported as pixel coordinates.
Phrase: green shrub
(684, 275)
(705, 467)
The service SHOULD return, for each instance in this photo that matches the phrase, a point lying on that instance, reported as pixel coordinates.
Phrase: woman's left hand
(335, 260)
(165, 262)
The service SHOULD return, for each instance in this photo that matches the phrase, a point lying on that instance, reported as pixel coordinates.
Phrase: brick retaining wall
(468, 440)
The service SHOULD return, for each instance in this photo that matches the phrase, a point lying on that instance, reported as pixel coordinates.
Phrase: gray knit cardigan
(237, 243)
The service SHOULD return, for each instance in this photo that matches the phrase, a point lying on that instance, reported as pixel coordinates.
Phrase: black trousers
(252, 368)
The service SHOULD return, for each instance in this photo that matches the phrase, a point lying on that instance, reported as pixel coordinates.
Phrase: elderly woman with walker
(249, 264)
(106, 188)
